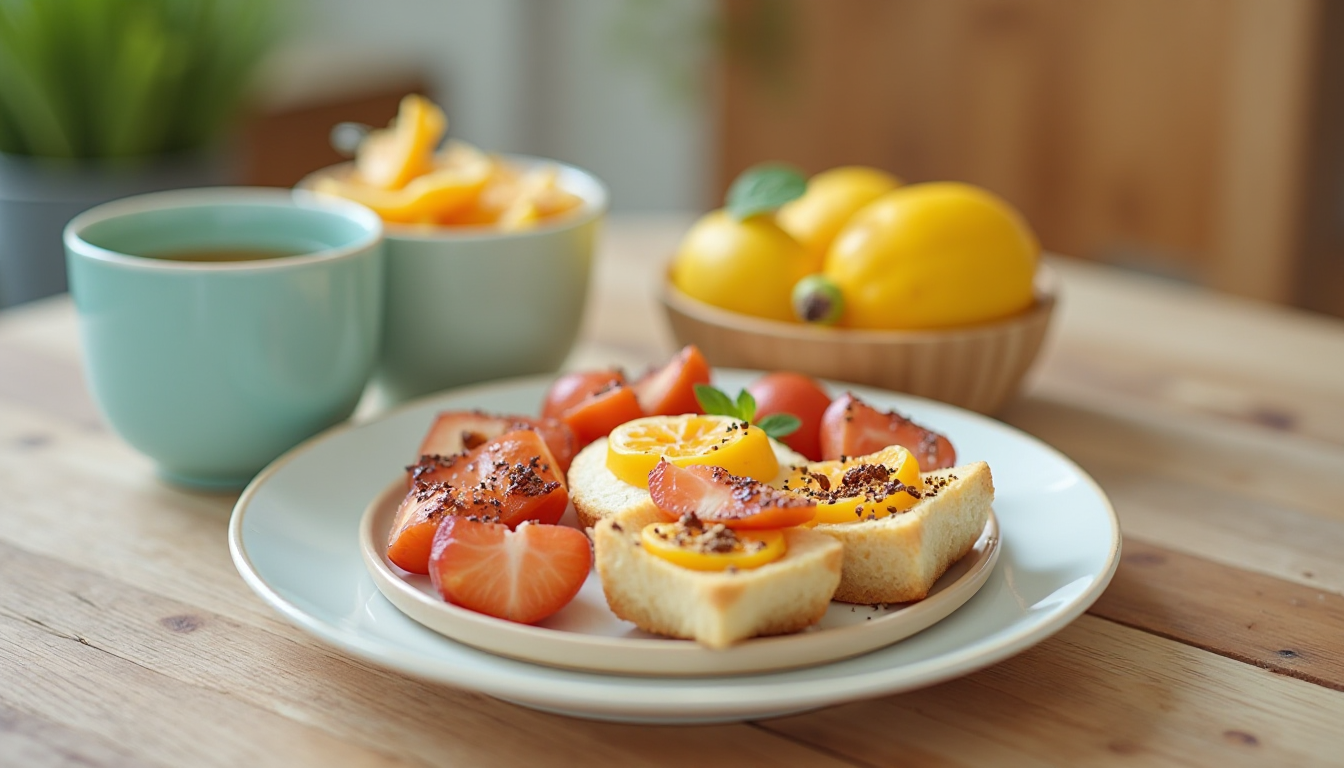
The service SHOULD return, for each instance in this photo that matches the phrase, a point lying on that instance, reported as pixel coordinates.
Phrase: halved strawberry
(522, 575)
(573, 388)
(670, 390)
(714, 495)
(456, 431)
(851, 427)
(598, 414)
(510, 479)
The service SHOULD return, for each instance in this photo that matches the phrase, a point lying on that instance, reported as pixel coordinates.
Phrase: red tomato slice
(670, 390)
(510, 479)
(573, 388)
(522, 575)
(596, 416)
(456, 431)
(716, 496)
(851, 427)
(800, 395)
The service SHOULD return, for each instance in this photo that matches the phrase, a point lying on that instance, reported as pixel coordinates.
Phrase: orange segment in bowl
(427, 198)
(860, 487)
(634, 448)
(389, 158)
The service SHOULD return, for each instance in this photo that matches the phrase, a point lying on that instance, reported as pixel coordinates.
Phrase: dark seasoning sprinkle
(691, 533)
(482, 502)
(873, 483)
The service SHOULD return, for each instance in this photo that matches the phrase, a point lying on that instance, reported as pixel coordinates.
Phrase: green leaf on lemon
(764, 188)
(716, 403)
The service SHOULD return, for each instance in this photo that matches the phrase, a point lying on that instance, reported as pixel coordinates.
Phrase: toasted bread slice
(714, 608)
(597, 493)
(898, 558)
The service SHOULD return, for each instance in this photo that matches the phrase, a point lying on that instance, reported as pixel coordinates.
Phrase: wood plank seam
(834, 754)
(1280, 626)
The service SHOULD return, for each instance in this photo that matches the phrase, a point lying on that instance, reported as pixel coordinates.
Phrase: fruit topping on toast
(714, 495)
(851, 427)
(636, 447)
(693, 543)
(522, 575)
(860, 488)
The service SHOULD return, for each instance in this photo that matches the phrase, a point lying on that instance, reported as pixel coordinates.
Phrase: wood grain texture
(1098, 693)
(262, 699)
(1167, 135)
(1268, 78)
(1277, 625)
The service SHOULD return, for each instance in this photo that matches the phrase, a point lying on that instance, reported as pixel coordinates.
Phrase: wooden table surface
(1215, 425)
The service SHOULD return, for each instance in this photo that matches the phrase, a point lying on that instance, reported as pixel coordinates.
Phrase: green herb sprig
(717, 403)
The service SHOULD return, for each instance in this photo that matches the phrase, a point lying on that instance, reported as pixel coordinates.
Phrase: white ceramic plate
(294, 538)
(586, 635)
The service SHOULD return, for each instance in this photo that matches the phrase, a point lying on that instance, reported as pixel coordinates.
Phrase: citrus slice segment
(862, 487)
(635, 447)
(425, 200)
(391, 157)
(699, 546)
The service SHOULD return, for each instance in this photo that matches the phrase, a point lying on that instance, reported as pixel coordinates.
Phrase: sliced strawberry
(598, 414)
(670, 390)
(714, 495)
(456, 431)
(418, 517)
(573, 388)
(522, 575)
(510, 479)
(851, 427)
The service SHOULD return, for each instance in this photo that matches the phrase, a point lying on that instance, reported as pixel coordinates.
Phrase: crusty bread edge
(899, 558)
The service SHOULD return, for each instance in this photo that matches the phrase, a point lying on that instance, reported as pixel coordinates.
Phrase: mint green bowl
(215, 369)
(472, 304)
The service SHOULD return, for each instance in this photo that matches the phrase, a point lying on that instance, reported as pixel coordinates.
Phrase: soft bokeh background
(1195, 139)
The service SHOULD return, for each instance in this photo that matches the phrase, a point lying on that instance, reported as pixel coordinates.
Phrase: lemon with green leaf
(738, 258)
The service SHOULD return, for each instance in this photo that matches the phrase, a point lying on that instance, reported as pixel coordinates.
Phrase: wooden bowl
(976, 367)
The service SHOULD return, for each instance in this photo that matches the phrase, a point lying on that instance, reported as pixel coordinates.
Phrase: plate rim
(755, 691)
(956, 594)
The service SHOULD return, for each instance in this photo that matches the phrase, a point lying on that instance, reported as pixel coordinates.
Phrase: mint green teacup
(214, 368)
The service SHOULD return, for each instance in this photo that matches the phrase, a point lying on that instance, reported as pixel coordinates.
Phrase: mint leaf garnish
(746, 406)
(779, 425)
(764, 188)
(717, 403)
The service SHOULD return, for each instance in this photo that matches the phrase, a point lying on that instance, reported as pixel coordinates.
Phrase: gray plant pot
(38, 196)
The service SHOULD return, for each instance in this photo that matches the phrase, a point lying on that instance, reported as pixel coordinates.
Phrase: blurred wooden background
(1196, 138)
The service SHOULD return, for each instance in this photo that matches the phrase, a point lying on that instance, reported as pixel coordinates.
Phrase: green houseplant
(104, 98)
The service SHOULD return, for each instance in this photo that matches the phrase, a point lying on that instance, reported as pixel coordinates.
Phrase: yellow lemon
(635, 447)
(861, 487)
(712, 548)
(746, 266)
(933, 256)
(832, 197)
